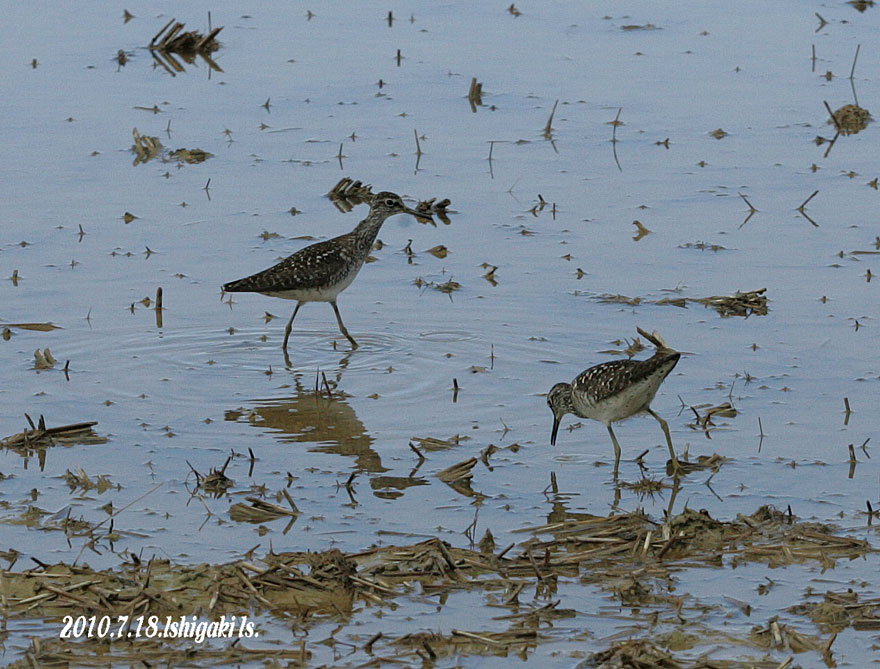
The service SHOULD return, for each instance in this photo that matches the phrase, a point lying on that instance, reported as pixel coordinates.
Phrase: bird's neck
(366, 231)
(568, 400)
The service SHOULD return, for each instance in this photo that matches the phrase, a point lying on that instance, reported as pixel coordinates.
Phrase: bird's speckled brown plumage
(312, 268)
(604, 381)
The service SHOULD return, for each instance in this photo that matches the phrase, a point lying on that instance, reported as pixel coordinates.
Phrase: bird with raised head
(318, 273)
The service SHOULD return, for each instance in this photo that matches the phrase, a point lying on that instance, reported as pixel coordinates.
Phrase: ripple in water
(441, 336)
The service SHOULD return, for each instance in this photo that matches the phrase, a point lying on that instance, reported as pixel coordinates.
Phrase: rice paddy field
(176, 491)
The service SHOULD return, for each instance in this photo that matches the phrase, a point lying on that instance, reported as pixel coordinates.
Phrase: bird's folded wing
(312, 267)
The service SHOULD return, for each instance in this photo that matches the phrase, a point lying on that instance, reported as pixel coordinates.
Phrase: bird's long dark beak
(418, 214)
(555, 430)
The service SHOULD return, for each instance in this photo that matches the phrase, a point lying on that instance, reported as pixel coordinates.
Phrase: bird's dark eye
(390, 203)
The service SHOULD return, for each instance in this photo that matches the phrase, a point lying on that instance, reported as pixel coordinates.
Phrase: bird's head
(388, 204)
(559, 401)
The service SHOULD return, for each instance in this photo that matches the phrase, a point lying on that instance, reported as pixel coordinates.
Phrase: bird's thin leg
(616, 449)
(342, 329)
(675, 466)
(290, 326)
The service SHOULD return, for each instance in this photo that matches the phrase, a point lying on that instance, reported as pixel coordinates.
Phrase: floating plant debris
(174, 39)
(214, 482)
(261, 511)
(458, 472)
(745, 304)
(191, 156)
(145, 147)
(44, 359)
(348, 193)
(40, 436)
(851, 119)
(37, 327)
(739, 304)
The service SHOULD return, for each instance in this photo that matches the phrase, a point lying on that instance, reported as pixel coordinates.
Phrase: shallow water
(213, 381)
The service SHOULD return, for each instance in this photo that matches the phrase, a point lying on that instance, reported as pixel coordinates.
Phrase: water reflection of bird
(614, 391)
(318, 273)
(559, 513)
(329, 424)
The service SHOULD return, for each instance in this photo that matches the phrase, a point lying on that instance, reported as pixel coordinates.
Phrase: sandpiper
(613, 391)
(318, 273)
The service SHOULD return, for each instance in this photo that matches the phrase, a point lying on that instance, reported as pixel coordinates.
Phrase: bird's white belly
(630, 401)
(326, 294)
